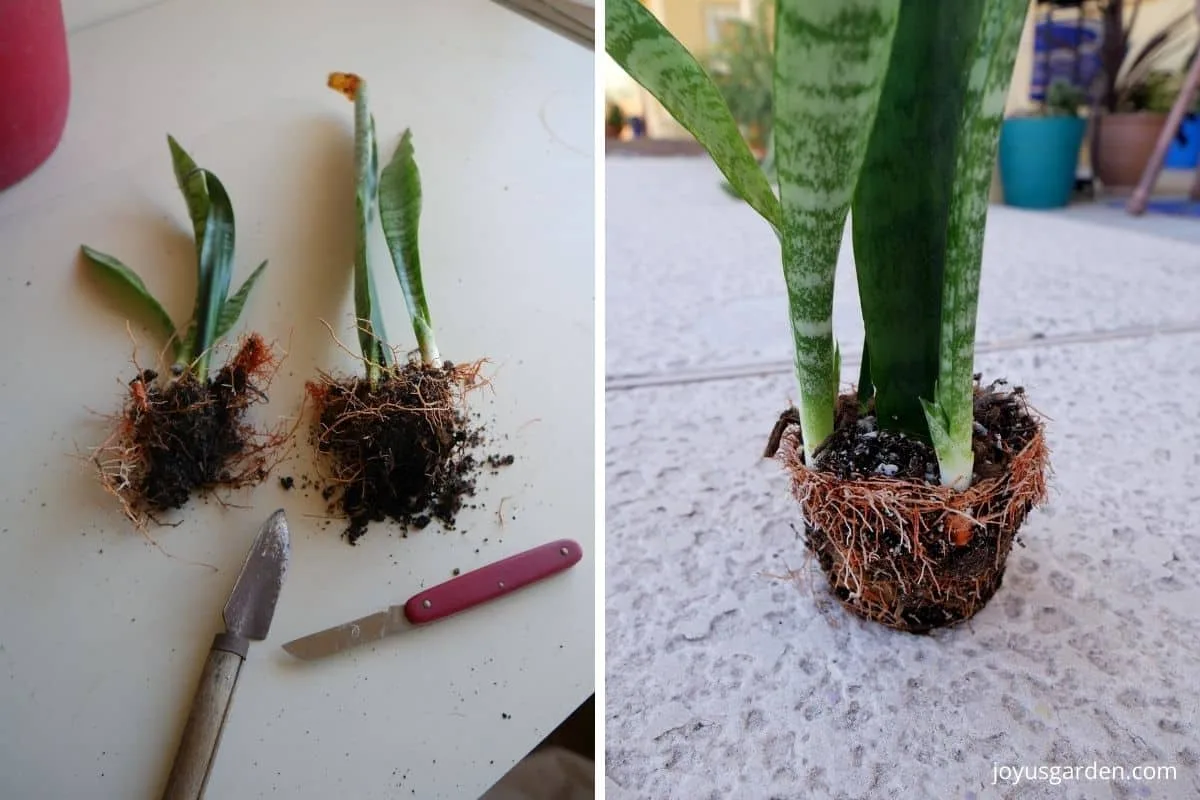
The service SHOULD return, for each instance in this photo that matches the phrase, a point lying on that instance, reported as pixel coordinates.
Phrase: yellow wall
(686, 19)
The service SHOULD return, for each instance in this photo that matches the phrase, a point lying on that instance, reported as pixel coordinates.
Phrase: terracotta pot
(1124, 144)
(613, 131)
(35, 85)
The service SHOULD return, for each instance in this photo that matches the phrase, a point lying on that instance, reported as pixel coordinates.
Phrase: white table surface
(102, 636)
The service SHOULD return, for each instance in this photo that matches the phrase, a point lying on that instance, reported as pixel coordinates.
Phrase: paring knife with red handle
(430, 605)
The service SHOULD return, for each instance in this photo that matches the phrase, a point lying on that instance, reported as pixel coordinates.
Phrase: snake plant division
(184, 428)
(398, 437)
(886, 112)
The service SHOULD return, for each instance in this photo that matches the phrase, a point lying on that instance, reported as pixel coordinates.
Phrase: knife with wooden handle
(247, 618)
(459, 594)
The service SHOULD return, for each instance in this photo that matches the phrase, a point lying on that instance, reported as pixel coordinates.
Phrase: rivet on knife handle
(488, 583)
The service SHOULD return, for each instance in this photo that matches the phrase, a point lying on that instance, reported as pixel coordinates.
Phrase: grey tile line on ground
(625, 382)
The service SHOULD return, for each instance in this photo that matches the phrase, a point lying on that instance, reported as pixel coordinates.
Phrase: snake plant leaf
(216, 271)
(989, 70)
(901, 205)
(865, 388)
(194, 187)
(400, 213)
(654, 58)
(372, 339)
(830, 60)
(234, 305)
(133, 288)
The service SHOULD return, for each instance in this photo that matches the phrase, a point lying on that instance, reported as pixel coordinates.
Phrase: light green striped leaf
(951, 415)
(371, 333)
(646, 50)
(830, 60)
(400, 213)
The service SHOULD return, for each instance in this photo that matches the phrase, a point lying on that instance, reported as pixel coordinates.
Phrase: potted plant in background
(614, 121)
(912, 489)
(742, 65)
(1129, 111)
(1039, 151)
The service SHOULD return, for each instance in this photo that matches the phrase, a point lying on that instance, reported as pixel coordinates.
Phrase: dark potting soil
(401, 450)
(858, 449)
(189, 434)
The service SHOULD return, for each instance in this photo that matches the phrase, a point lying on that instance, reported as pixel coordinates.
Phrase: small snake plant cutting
(887, 112)
(187, 430)
(398, 438)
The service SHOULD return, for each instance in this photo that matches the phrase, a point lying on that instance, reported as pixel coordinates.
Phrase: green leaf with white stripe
(830, 60)
(371, 333)
(951, 414)
(646, 50)
(400, 214)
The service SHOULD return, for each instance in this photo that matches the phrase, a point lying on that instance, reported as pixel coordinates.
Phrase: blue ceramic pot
(1038, 158)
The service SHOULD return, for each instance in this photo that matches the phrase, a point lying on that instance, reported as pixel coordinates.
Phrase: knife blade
(446, 599)
(247, 615)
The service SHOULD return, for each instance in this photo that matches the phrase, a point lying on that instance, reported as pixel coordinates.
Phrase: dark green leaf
(233, 306)
(902, 202)
(400, 213)
(132, 287)
(216, 270)
(646, 50)
(865, 389)
(192, 183)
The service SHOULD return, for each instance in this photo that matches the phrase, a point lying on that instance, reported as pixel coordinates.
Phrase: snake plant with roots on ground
(397, 438)
(185, 429)
(913, 486)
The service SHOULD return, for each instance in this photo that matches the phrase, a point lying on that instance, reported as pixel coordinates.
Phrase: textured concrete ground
(725, 680)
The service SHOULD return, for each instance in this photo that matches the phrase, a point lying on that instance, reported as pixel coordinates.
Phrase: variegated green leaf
(830, 60)
(400, 213)
(134, 289)
(233, 306)
(371, 335)
(646, 50)
(951, 415)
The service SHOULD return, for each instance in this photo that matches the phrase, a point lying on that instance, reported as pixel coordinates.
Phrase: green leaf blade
(831, 57)
(990, 70)
(901, 205)
(654, 58)
(400, 213)
(134, 289)
(372, 338)
(216, 271)
(234, 305)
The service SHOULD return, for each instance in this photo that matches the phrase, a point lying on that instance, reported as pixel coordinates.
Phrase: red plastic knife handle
(488, 583)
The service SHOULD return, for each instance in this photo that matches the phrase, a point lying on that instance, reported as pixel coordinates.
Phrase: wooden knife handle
(487, 583)
(210, 707)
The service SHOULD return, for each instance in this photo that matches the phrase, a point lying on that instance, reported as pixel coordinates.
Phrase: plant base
(187, 435)
(400, 449)
(896, 546)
